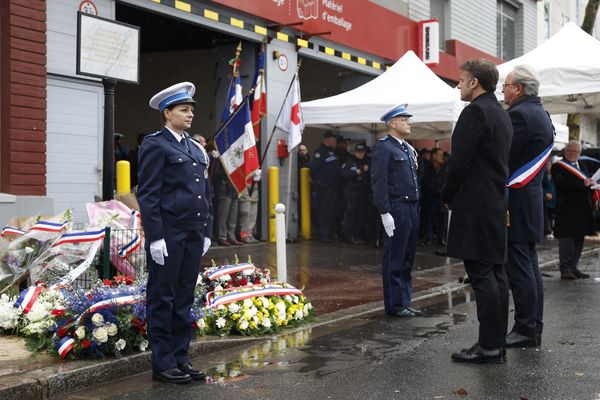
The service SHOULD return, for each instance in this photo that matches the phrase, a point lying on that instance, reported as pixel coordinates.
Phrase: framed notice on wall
(107, 48)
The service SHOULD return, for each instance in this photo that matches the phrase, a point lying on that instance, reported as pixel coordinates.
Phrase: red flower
(243, 282)
(63, 331)
(107, 282)
(257, 280)
(57, 313)
(194, 325)
(89, 296)
(136, 322)
(85, 343)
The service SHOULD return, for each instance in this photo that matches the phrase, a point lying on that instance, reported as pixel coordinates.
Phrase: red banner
(358, 24)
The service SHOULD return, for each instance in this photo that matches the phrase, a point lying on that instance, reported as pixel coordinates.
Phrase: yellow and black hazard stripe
(207, 13)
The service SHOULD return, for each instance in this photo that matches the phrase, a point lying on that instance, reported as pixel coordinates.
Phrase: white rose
(298, 314)
(221, 322)
(252, 311)
(243, 325)
(247, 272)
(226, 278)
(266, 322)
(295, 299)
(218, 287)
(28, 250)
(234, 308)
(287, 297)
(112, 329)
(120, 344)
(248, 303)
(97, 319)
(280, 307)
(264, 281)
(80, 332)
(265, 302)
(100, 335)
(143, 345)
(201, 323)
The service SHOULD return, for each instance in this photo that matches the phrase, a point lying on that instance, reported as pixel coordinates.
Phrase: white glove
(388, 224)
(257, 175)
(158, 251)
(207, 243)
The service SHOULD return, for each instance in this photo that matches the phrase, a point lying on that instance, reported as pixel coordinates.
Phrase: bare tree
(591, 11)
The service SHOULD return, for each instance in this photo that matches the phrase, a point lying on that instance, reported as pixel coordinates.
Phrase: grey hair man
(533, 138)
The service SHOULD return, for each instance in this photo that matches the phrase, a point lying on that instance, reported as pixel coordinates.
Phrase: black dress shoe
(194, 373)
(173, 375)
(416, 311)
(580, 275)
(405, 312)
(515, 339)
(480, 355)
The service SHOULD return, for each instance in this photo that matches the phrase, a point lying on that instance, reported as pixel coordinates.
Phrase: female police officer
(176, 209)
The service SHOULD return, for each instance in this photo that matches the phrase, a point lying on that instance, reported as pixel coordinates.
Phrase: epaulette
(384, 138)
(152, 134)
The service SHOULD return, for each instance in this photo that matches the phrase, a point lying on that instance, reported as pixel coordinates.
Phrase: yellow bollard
(273, 200)
(123, 177)
(305, 202)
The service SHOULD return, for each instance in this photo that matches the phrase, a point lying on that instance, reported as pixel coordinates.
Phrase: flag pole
(264, 154)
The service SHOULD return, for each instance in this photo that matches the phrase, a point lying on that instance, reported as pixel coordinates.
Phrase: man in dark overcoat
(533, 139)
(475, 191)
(574, 207)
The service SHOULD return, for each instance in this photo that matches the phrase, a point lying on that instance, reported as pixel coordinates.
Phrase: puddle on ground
(329, 348)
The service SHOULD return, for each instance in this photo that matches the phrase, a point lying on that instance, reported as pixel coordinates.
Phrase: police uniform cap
(176, 94)
(329, 134)
(341, 139)
(396, 111)
(360, 147)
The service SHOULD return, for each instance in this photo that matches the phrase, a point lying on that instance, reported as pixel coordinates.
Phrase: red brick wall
(23, 97)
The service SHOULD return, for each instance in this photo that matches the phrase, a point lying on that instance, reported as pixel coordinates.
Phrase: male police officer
(396, 194)
(325, 172)
(357, 191)
(176, 208)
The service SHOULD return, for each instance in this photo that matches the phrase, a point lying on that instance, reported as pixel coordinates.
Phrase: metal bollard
(273, 200)
(305, 202)
(280, 233)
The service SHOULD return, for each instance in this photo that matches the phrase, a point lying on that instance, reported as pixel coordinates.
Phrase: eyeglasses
(405, 119)
(504, 85)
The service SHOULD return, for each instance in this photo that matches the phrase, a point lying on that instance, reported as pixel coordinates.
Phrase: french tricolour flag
(81, 237)
(64, 346)
(236, 145)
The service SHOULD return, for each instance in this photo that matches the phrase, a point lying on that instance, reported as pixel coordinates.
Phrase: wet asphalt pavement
(381, 357)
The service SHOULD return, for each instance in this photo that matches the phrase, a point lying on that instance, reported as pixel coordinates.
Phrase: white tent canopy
(568, 65)
(433, 103)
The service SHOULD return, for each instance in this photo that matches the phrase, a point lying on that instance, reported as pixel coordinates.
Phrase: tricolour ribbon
(527, 172)
(47, 226)
(239, 296)
(28, 297)
(64, 346)
(578, 173)
(9, 230)
(81, 237)
(114, 302)
(134, 225)
(228, 270)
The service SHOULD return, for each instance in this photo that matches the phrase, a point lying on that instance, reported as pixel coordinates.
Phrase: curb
(62, 378)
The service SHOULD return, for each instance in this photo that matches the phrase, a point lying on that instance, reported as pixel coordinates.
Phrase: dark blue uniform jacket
(393, 174)
(173, 186)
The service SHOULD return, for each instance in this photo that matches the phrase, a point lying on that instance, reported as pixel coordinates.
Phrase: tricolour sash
(578, 173)
(527, 172)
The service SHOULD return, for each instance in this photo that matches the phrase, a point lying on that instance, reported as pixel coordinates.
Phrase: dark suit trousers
(399, 256)
(169, 297)
(327, 210)
(569, 251)
(491, 294)
(527, 288)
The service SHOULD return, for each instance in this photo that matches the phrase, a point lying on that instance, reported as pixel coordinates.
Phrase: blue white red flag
(236, 145)
(47, 226)
(80, 237)
(64, 346)
(234, 97)
(9, 230)
(28, 297)
(259, 101)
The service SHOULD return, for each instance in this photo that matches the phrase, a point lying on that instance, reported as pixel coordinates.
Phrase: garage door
(73, 145)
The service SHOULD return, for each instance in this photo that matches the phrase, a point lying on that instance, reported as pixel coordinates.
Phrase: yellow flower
(252, 325)
(235, 317)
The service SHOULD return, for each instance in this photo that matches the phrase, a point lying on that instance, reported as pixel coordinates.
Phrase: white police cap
(396, 111)
(176, 94)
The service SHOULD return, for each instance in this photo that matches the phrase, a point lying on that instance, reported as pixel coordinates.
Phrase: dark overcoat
(475, 184)
(573, 209)
(532, 134)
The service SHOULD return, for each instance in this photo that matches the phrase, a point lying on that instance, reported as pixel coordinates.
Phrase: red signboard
(358, 24)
